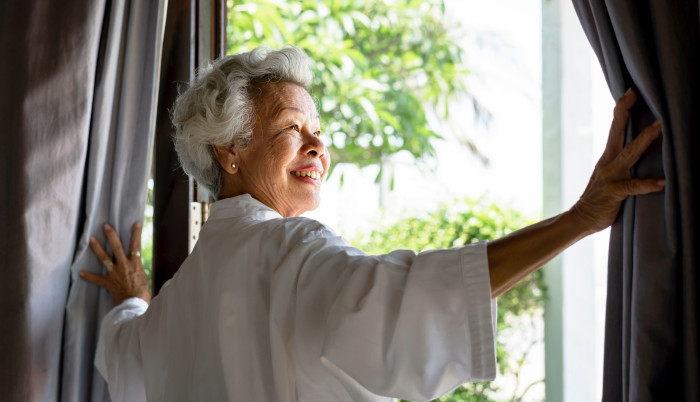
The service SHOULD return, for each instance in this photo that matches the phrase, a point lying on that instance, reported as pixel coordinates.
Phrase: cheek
(278, 158)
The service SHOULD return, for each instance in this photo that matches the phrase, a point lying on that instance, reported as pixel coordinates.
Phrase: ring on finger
(109, 265)
(135, 253)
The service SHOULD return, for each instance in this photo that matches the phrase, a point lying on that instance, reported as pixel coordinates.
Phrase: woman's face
(286, 161)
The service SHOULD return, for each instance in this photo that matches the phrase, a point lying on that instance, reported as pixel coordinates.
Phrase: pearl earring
(233, 165)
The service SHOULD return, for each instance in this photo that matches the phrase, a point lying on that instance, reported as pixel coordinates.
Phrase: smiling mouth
(307, 173)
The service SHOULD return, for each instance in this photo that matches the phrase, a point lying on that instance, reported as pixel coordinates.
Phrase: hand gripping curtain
(651, 332)
(78, 87)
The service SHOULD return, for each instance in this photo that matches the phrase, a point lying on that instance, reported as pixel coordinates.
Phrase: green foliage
(376, 64)
(457, 224)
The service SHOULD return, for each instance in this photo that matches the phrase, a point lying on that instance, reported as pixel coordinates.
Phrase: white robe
(281, 309)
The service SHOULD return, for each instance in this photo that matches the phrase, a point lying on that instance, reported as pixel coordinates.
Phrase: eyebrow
(276, 112)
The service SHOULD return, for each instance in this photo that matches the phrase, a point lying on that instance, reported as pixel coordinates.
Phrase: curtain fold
(651, 332)
(78, 89)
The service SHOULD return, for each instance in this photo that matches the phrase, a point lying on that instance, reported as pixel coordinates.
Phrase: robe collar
(242, 206)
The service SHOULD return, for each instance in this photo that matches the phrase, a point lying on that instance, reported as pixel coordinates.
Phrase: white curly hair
(217, 107)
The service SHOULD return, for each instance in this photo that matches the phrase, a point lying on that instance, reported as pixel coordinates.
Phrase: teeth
(312, 174)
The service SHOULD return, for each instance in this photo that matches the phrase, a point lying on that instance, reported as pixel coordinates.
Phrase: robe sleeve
(407, 325)
(118, 354)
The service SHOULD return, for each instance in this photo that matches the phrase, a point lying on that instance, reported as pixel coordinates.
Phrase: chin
(310, 205)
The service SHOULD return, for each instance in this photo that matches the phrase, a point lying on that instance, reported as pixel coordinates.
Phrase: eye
(293, 127)
(317, 133)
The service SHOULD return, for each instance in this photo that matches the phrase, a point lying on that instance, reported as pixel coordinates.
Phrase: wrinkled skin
(285, 139)
(611, 181)
(127, 277)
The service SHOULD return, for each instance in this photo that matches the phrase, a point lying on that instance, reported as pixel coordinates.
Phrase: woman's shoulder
(307, 224)
(305, 229)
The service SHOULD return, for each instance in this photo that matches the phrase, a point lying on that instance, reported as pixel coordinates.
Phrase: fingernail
(629, 91)
(81, 273)
(92, 240)
(657, 123)
(661, 182)
(106, 226)
(138, 224)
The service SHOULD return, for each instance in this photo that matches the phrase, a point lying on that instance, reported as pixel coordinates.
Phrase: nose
(313, 146)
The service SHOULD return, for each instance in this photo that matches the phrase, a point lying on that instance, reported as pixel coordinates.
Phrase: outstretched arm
(513, 257)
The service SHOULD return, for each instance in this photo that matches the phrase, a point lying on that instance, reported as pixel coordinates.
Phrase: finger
(98, 250)
(115, 244)
(616, 137)
(642, 186)
(135, 238)
(621, 113)
(627, 100)
(96, 279)
(634, 150)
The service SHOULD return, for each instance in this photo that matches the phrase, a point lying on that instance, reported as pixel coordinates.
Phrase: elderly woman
(271, 306)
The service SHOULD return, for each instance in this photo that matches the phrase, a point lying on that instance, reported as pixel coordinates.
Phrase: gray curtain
(651, 334)
(78, 85)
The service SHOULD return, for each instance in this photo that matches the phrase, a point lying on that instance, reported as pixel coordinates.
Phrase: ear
(227, 158)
